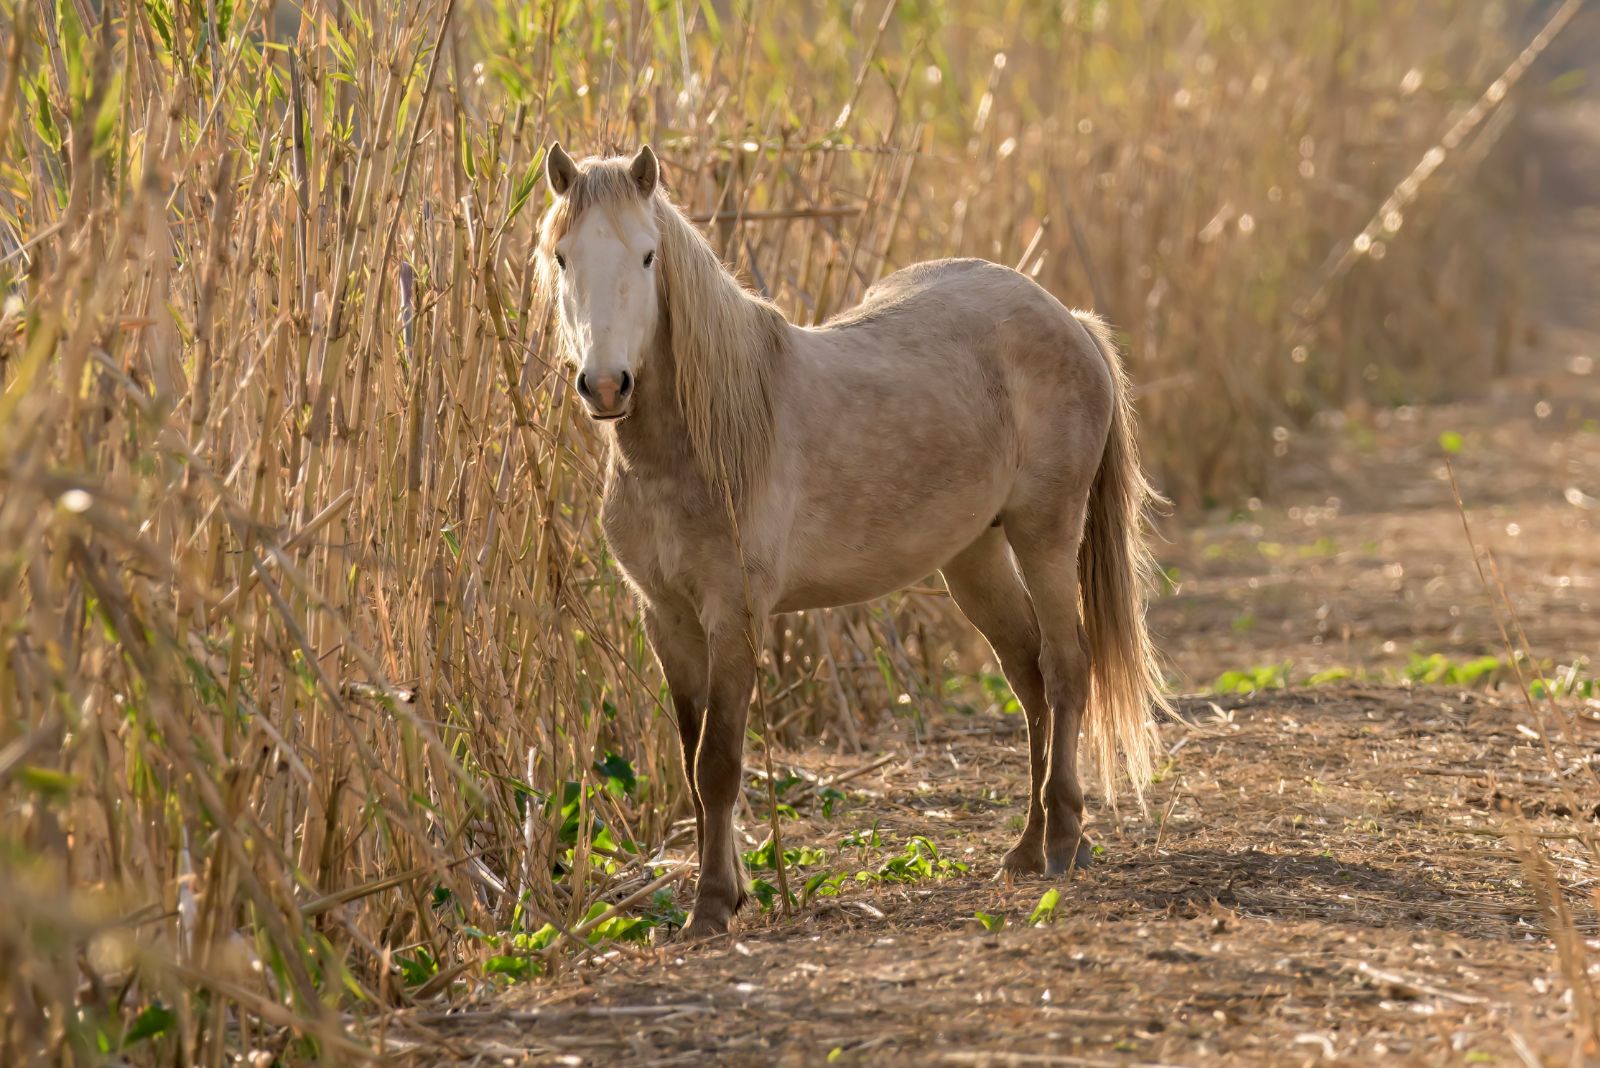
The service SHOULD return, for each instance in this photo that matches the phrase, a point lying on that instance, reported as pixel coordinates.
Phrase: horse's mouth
(609, 417)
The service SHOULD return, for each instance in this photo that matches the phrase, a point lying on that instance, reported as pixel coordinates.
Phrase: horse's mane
(725, 341)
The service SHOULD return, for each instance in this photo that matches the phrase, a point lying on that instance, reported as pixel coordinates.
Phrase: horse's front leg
(718, 775)
(680, 645)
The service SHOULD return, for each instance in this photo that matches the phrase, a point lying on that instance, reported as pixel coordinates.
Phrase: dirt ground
(1324, 875)
(1323, 878)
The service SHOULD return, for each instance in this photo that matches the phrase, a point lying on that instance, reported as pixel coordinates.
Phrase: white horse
(960, 419)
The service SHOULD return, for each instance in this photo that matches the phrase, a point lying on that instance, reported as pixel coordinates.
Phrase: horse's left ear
(646, 172)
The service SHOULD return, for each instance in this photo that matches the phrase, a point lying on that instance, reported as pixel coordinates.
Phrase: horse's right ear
(559, 169)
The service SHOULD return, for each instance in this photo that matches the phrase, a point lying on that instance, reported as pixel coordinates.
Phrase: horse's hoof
(1021, 860)
(1059, 862)
(701, 929)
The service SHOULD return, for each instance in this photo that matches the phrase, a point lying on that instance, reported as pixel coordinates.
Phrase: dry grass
(310, 644)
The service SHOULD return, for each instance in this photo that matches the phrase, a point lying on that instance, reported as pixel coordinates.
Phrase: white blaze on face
(608, 300)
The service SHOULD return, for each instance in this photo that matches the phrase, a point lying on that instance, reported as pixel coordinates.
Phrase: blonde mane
(725, 341)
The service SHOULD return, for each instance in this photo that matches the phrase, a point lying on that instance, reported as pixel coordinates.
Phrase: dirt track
(1324, 875)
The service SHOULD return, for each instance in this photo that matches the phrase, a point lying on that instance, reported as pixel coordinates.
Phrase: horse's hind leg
(1046, 542)
(984, 582)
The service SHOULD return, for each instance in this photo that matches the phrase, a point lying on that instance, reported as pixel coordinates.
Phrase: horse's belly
(843, 587)
(881, 553)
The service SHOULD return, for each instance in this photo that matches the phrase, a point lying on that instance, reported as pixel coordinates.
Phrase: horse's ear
(559, 169)
(646, 172)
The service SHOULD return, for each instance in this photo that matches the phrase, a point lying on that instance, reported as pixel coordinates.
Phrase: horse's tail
(1116, 572)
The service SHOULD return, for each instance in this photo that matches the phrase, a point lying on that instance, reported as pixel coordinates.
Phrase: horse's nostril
(583, 387)
(626, 387)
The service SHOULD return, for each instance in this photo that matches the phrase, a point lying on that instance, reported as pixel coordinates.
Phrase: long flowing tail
(1116, 573)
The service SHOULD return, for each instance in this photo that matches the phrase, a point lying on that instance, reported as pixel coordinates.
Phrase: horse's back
(968, 295)
(941, 288)
(990, 312)
(934, 272)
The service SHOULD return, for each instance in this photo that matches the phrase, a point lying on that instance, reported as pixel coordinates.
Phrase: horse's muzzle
(607, 396)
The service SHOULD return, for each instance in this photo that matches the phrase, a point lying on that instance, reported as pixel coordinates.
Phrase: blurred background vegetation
(319, 694)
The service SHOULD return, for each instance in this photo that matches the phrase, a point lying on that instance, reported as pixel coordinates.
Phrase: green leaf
(998, 691)
(151, 1023)
(523, 190)
(1045, 910)
(990, 921)
(621, 929)
(1450, 442)
(1564, 84)
(517, 969)
(830, 798)
(618, 773)
(417, 968)
(541, 939)
(45, 781)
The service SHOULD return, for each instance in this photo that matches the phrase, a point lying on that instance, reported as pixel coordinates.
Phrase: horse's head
(598, 246)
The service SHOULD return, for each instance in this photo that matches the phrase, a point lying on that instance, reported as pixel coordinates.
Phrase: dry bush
(312, 655)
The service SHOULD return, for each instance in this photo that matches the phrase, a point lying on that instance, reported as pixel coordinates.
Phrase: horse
(960, 419)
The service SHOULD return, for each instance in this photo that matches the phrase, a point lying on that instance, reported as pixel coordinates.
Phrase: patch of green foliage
(763, 857)
(917, 860)
(1437, 669)
(1431, 669)
(826, 798)
(1044, 912)
(987, 689)
(1249, 680)
(517, 953)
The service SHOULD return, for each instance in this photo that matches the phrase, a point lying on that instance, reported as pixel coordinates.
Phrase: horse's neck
(653, 441)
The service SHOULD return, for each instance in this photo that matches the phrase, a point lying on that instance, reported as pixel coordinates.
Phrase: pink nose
(606, 392)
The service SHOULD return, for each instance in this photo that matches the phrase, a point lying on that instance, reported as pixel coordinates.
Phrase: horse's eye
(561, 261)
(649, 258)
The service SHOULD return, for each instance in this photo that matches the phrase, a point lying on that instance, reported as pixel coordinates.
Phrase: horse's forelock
(601, 182)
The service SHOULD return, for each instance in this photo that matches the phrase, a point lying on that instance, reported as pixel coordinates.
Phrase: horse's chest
(653, 531)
